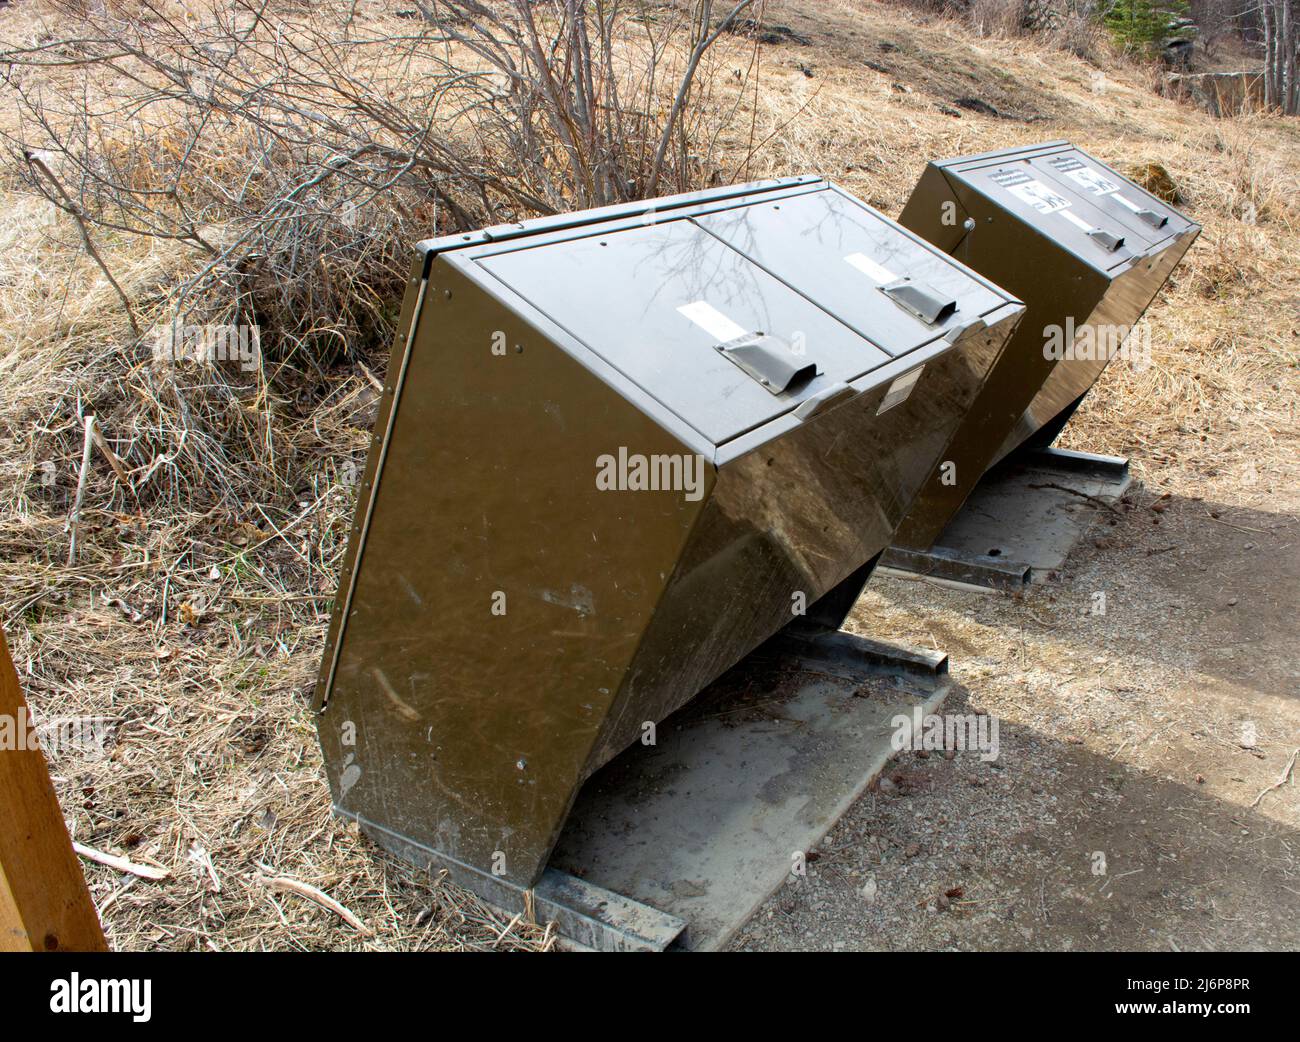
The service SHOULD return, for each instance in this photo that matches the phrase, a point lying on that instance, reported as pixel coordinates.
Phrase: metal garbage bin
(617, 451)
(1084, 248)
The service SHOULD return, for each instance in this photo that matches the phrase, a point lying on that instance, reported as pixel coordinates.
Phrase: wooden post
(44, 904)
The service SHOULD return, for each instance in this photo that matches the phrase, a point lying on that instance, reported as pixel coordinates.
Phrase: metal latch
(1156, 220)
(1106, 239)
(921, 300)
(769, 360)
(823, 400)
(957, 334)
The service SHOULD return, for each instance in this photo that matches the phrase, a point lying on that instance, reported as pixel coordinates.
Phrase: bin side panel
(410, 300)
(795, 516)
(1098, 341)
(500, 594)
(934, 212)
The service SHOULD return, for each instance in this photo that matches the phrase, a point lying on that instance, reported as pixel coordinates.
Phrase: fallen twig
(114, 460)
(506, 929)
(1082, 495)
(74, 518)
(1281, 778)
(311, 893)
(1239, 528)
(121, 864)
(375, 382)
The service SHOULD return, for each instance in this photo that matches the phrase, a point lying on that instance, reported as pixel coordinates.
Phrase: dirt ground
(1146, 735)
(1153, 737)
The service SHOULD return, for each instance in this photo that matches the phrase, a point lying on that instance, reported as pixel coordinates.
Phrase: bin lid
(846, 256)
(1146, 218)
(1080, 203)
(679, 312)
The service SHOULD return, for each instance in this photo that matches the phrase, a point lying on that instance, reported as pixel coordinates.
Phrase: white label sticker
(1078, 222)
(900, 389)
(712, 321)
(1091, 180)
(870, 268)
(1039, 196)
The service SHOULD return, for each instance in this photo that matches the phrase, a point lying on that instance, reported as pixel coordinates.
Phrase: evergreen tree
(1143, 24)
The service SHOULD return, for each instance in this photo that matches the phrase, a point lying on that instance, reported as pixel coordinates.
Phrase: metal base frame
(1042, 484)
(583, 913)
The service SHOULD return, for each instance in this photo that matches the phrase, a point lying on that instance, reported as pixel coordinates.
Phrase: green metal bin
(1084, 248)
(617, 451)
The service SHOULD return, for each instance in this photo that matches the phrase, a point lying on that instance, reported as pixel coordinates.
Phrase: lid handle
(769, 360)
(1106, 239)
(923, 301)
(1156, 220)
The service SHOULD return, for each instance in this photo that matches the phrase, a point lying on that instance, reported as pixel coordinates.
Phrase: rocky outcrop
(1220, 93)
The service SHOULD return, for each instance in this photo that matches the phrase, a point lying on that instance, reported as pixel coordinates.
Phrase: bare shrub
(286, 157)
(998, 17)
(1072, 25)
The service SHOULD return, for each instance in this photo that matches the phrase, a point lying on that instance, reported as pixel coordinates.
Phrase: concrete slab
(1022, 520)
(705, 824)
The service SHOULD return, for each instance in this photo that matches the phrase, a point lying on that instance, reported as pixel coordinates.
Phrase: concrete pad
(1021, 522)
(705, 824)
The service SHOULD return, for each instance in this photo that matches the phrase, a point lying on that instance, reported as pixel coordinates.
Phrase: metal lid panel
(841, 253)
(1148, 222)
(658, 303)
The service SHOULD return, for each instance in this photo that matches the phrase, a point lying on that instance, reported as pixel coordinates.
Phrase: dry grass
(194, 616)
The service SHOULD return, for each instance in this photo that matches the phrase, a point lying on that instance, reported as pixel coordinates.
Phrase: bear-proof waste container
(1084, 248)
(617, 451)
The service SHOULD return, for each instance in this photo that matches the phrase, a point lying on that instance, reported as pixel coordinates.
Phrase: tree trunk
(1290, 89)
(1278, 19)
(1270, 42)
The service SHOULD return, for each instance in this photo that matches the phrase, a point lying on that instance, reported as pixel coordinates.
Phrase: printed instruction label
(1086, 177)
(712, 321)
(1030, 191)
